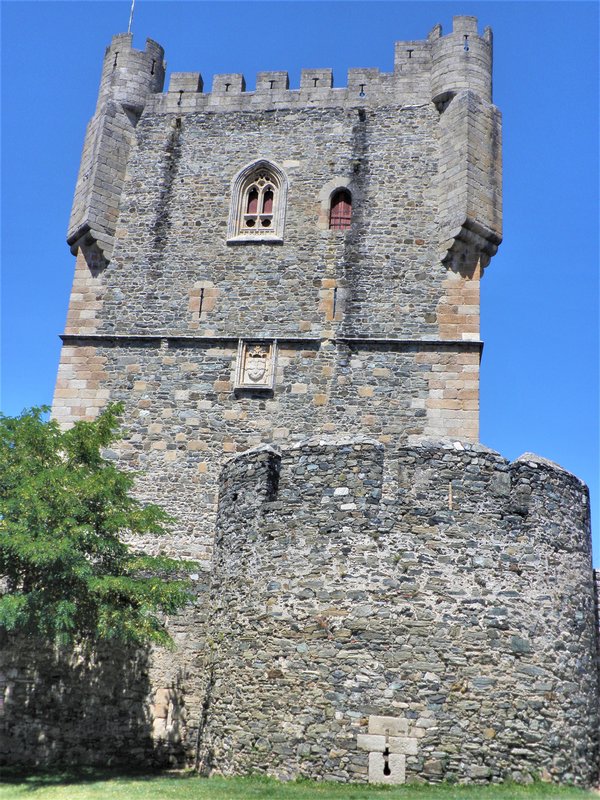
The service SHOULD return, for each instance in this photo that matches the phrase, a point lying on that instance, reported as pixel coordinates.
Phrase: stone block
(316, 79)
(160, 709)
(358, 77)
(394, 765)
(388, 726)
(366, 741)
(228, 84)
(477, 771)
(403, 744)
(272, 81)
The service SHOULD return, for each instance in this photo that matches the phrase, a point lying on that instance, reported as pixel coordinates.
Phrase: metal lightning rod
(131, 16)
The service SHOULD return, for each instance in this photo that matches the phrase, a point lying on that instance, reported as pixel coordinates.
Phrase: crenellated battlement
(435, 68)
(427, 73)
(455, 476)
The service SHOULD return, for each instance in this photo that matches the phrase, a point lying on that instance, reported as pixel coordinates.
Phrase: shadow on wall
(62, 707)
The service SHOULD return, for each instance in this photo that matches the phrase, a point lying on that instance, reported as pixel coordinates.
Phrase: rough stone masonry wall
(333, 299)
(459, 601)
(183, 416)
(412, 196)
(456, 605)
(386, 274)
(443, 589)
(105, 706)
(172, 232)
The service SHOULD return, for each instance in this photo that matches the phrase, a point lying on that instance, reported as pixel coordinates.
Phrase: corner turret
(461, 60)
(470, 165)
(128, 77)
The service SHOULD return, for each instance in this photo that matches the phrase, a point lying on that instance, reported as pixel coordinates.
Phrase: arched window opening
(340, 214)
(252, 207)
(260, 194)
(268, 201)
(258, 204)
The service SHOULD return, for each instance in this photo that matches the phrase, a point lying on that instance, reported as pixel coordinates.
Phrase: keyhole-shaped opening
(386, 762)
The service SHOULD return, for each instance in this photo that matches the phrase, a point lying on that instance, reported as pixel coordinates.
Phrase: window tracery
(258, 204)
(259, 196)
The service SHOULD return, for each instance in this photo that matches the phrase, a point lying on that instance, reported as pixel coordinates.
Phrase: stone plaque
(256, 365)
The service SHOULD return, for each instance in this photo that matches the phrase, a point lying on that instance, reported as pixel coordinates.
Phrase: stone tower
(283, 288)
(367, 323)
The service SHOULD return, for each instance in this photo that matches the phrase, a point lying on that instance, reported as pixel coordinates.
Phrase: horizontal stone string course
(200, 341)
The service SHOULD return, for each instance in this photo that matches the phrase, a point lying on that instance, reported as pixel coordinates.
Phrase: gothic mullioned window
(340, 213)
(258, 201)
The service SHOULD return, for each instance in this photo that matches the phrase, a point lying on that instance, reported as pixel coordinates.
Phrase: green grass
(93, 785)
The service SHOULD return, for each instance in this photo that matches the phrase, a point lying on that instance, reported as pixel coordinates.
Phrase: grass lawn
(94, 785)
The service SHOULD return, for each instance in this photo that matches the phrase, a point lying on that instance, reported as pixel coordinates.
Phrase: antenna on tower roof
(130, 16)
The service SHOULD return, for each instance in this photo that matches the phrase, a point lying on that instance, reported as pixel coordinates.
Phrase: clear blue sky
(539, 387)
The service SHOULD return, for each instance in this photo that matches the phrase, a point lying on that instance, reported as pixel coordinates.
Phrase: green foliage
(67, 574)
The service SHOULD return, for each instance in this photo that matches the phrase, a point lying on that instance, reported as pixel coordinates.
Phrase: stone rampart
(457, 604)
(437, 624)
(107, 705)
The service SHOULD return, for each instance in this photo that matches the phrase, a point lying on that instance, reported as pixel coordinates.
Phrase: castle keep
(371, 328)
(282, 285)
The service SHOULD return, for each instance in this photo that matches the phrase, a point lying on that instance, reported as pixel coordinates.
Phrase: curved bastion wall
(438, 626)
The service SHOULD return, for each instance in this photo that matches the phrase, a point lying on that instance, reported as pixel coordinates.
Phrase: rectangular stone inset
(388, 726)
(394, 765)
(160, 708)
(256, 365)
(368, 742)
(404, 745)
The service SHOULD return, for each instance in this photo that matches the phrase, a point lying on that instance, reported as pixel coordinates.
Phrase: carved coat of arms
(255, 365)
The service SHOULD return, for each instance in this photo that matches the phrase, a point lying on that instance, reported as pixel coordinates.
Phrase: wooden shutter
(340, 216)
